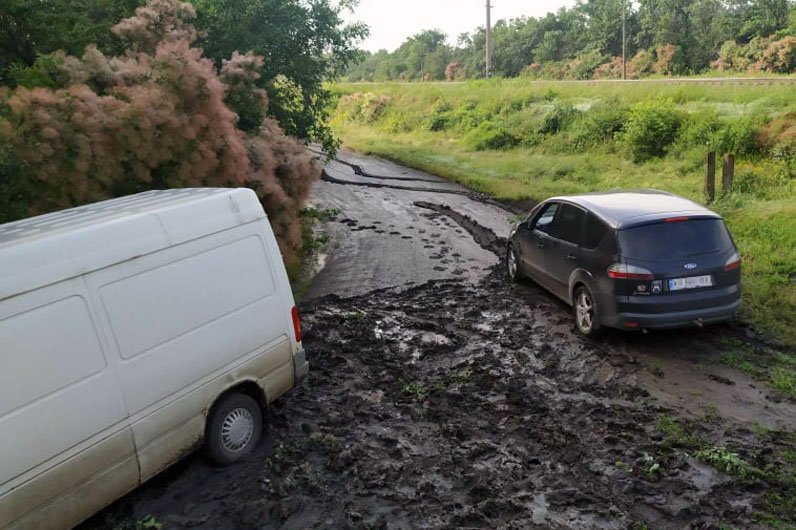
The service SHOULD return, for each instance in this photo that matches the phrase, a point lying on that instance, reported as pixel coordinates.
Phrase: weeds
(728, 462)
(776, 369)
(650, 467)
(416, 390)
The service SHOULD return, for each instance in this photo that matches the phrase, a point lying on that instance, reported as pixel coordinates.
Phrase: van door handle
(539, 245)
(573, 257)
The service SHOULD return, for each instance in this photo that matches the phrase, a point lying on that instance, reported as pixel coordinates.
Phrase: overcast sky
(392, 21)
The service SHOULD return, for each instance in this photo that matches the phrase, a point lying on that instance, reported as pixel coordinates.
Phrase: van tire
(233, 429)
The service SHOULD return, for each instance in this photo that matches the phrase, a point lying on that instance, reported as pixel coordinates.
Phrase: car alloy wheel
(586, 312)
(512, 264)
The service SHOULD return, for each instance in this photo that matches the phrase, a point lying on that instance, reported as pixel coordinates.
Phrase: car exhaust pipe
(698, 323)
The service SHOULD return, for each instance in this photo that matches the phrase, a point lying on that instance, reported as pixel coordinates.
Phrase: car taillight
(296, 324)
(620, 271)
(733, 263)
(676, 219)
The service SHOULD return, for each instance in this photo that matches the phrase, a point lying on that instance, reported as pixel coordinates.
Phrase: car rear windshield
(677, 240)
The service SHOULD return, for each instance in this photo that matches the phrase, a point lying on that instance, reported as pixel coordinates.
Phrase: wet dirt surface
(454, 399)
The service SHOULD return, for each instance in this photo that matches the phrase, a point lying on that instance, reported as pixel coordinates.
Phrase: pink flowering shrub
(160, 116)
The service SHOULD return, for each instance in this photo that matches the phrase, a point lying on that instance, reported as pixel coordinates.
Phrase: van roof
(623, 209)
(50, 248)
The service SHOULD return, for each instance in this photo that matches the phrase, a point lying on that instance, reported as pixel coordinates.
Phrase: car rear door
(533, 238)
(563, 251)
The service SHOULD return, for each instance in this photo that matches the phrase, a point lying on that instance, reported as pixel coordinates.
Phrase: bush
(155, 117)
(584, 65)
(439, 119)
(699, 130)
(558, 118)
(742, 136)
(779, 56)
(489, 135)
(642, 63)
(363, 107)
(600, 125)
(396, 122)
(669, 60)
(651, 128)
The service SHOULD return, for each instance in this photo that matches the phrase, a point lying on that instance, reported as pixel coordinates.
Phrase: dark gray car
(632, 260)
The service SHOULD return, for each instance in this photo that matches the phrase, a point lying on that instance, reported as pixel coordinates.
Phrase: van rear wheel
(233, 429)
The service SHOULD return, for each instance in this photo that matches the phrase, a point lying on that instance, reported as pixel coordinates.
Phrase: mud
(464, 401)
(451, 405)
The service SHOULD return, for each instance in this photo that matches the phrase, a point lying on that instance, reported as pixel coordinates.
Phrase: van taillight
(733, 263)
(296, 324)
(620, 271)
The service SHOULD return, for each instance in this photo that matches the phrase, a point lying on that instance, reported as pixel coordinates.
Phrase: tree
(303, 43)
(29, 28)
(160, 115)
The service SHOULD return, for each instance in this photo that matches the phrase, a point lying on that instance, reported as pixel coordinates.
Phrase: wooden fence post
(710, 176)
(727, 174)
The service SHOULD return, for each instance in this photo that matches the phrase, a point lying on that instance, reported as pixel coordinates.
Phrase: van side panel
(165, 435)
(79, 487)
(184, 319)
(60, 407)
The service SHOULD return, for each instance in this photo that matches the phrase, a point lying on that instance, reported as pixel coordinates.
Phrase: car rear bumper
(688, 309)
(678, 319)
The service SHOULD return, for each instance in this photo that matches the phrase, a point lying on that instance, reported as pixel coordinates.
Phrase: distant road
(665, 81)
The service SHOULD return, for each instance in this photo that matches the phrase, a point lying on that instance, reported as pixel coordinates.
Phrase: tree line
(664, 37)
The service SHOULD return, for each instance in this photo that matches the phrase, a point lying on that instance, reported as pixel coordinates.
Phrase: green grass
(776, 369)
(448, 130)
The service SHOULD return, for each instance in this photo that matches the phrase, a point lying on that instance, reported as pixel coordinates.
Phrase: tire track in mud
(483, 199)
(482, 235)
(358, 170)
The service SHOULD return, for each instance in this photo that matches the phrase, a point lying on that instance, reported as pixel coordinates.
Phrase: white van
(131, 332)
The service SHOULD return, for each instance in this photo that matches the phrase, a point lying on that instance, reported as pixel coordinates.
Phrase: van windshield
(673, 241)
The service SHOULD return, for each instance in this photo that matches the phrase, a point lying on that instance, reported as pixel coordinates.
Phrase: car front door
(533, 237)
(563, 249)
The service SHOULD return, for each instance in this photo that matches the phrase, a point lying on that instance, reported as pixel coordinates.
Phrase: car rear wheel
(513, 265)
(586, 314)
(233, 429)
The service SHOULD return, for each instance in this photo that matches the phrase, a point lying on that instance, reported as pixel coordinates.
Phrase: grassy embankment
(516, 140)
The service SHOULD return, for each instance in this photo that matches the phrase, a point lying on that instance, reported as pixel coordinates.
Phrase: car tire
(586, 313)
(513, 264)
(233, 429)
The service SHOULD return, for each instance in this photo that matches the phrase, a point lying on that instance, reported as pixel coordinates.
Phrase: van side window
(545, 219)
(594, 232)
(568, 224)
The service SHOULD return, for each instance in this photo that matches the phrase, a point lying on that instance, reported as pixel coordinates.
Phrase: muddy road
(441, 396)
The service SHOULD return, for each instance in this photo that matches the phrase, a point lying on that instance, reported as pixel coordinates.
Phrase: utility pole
(488, 39)
(624, 40)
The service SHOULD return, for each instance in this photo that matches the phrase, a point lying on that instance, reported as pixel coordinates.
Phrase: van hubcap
(237, 430)
(584, 312)
(512, 263)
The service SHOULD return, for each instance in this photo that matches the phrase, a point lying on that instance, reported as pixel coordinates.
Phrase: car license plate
(694, 282)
